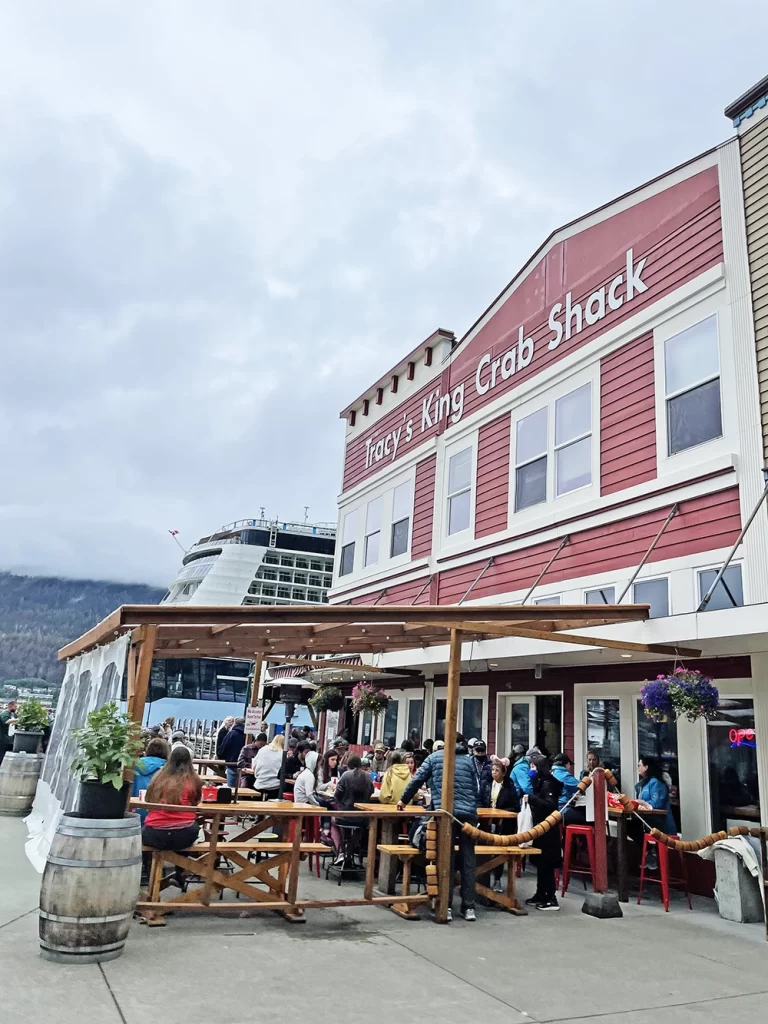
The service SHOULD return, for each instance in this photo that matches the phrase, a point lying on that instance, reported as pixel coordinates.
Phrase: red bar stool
(664, 879)
(572, 832)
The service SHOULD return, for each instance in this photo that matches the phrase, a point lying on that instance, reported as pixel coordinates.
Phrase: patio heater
(290, 695)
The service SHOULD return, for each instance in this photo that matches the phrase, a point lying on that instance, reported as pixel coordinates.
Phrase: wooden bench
(405, 855)
(502, 855)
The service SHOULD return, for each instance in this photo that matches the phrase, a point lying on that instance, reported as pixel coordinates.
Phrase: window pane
(415, 716)
(400, 537)
(731, 744)
(472, 718)
(574, 466)
(371, 549)
(460, 471)
(373, 516)
(350, 527)
(728, 587)
(389, 734)
(520, 728)
(531, 436)
(531, 484)
(555, 599)
(694, 417)
(603, 595)
(347, 563)
(549, 724)
(573, 414)
(659, 740)
(604, 733)
(656, 594)
(691, 356)
(458, 512)
(366, 733)
(440, 706)
(401, 501)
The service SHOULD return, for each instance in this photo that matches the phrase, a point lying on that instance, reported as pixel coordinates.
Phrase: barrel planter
(89, 889)
(26, 742)
(18, 781)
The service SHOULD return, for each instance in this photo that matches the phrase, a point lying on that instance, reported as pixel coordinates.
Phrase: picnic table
(621, 816)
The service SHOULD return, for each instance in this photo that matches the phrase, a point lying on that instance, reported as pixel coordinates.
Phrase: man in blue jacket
(520, 770)
(465, 797)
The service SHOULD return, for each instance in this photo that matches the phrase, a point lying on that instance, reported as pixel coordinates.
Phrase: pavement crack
(114, 997)
(15, 919)
(644, 1009)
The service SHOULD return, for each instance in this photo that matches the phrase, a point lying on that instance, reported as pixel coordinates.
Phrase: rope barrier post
(601, 841)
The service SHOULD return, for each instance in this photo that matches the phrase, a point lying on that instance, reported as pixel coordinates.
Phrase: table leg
(622, 858)
(387, 864)
(370, 865)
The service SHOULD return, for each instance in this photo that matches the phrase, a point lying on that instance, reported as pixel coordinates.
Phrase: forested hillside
(38, 615)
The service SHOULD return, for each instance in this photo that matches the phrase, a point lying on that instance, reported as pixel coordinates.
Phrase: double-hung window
(348, 535)
(573, 440)
(654, 593)
(601, 595)
(729, 592)
(459, 491)
(401, 519)
(372, 532)
(531, 460)
(692, 387)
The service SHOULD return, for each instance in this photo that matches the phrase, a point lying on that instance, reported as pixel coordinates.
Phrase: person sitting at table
(499, 793)
(379, 757)
(267, 767)
(154, 758)
(293, 763)
(593, 761)
(304, 788)
(651, 793)
(408, 759)
(354, 787)
(176, 783)
(429, 746)
(543, 799)
(395, 779)
(328, 775)
(245, 761)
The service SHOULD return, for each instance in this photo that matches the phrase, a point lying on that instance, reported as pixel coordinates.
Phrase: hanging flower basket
(365, 697)
(327, 698)
(685, 693)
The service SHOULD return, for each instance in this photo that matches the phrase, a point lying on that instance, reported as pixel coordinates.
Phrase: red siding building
(603, 413)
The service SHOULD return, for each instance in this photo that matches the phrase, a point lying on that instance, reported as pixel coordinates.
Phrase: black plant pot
(26, 742)
(101, 799)
(332, 704)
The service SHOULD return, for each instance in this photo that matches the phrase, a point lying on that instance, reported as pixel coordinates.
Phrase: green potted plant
(109, 742)
(31, 720)
(327, 698)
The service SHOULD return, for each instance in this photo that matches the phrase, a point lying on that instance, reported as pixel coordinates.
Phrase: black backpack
(417, 834)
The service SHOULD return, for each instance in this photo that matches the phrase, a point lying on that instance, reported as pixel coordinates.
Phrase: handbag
(525, 821)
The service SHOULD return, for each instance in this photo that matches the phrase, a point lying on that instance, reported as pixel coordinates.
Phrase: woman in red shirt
(176, 784)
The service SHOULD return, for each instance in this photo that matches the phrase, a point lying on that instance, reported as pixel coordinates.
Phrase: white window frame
(505, 698)
(556, 505)
(516, 465)
(656, 579)
(354, 516)
(378, 501)
(550, 599)
(409, 483)
(556, 448)
(469, 692)
(469, 441)
(698, 594)
(603, 586)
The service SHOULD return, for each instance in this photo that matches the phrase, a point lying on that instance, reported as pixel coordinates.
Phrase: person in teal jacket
(153, 760)
(519, 772)
(652, 791)
(561, 769)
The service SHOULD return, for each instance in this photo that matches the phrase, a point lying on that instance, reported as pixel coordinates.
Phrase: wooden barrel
(18, 781)
(90, 887)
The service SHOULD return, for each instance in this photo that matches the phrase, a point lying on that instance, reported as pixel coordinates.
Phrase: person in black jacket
(499, 792)
(230, 748)
(543, 801)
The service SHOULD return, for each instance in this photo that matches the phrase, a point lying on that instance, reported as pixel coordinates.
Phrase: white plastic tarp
(91, 680)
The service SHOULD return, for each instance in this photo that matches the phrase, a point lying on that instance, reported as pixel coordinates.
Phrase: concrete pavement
(347, 965)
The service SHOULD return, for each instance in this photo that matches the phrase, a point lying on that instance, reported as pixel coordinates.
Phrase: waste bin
(738, 891)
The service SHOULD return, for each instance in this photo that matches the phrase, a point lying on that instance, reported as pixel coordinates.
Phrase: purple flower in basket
(656, 699)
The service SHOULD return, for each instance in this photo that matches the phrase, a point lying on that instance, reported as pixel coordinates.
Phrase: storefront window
(415, 716)
(732, 751)
(549, 723)
(659, 740)
(366, 734)
(389, 735)
(520, 730)
(604, 733)
(472, 718)
(440, 706)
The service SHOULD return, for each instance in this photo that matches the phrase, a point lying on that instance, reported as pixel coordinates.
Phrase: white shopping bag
(525, 821)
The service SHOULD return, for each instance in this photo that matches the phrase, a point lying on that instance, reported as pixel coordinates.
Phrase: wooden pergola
(297, 635)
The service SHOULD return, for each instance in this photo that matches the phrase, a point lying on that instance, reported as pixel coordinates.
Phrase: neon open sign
(742, 737)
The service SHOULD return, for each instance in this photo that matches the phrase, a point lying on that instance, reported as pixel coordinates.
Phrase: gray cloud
(220, 223)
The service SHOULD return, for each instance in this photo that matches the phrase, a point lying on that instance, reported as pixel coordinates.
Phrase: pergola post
(138, 679)
(445, 826)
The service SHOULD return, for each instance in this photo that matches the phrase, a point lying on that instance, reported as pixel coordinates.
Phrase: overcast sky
(220, 222)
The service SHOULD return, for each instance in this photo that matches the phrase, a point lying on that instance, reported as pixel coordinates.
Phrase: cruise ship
(251, 561)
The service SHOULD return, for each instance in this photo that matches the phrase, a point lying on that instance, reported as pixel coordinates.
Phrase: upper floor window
(554, 599)
(459, 491)
(654, 593)
(569, 445)
(372, 532)
(573, 440)
(348, 534)
(729, 592)
(601, 595)
(401, 519)
(692, 386)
